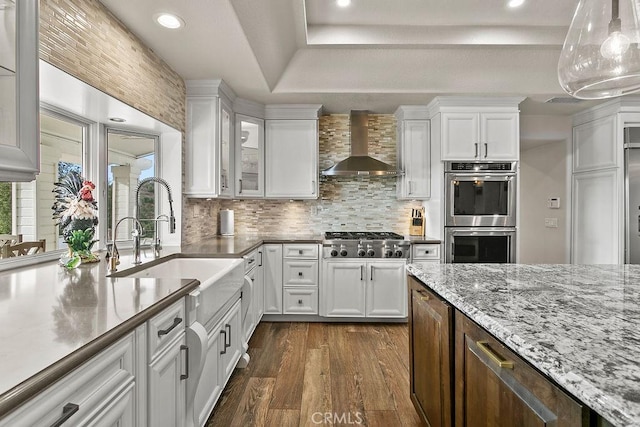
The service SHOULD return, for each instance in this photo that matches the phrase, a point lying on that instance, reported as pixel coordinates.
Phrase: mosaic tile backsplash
(345, 203)
(84, 39)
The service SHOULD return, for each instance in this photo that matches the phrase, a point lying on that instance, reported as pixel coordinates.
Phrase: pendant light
(600, 57)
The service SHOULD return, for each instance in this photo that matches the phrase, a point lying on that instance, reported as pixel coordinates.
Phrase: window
(25, 207)
(131, 157)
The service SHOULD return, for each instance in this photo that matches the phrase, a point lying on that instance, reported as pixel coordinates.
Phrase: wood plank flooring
(314, 374)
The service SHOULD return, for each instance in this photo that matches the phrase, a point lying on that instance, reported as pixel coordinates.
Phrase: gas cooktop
(362, 235)
(357, 244)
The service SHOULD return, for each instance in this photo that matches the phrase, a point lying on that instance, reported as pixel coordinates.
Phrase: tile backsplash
(345, 203)
(84, 39)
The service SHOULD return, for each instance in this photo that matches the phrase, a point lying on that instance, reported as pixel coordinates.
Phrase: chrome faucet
(171, 219)
(114, 257)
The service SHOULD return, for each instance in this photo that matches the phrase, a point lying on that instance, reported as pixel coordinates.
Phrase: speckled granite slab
(578, 324)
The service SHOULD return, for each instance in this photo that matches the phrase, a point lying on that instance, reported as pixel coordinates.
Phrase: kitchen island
(579, 325)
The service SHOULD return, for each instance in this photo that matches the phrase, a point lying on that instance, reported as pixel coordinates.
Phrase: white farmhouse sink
(220, 279)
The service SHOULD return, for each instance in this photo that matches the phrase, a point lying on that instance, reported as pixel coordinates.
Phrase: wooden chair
(10, 239)
(24, 248)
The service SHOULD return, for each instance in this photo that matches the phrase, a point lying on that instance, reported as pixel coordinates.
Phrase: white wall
(544, 173)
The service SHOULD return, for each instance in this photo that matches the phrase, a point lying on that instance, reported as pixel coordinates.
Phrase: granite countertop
(578, 324)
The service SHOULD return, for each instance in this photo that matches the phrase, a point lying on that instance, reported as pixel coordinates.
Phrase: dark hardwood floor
(314, 374)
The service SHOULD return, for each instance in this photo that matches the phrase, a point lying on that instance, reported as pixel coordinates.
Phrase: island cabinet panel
(494, 387)
(431, 362)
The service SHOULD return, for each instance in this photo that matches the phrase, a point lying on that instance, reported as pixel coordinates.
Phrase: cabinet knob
(299, 301)
(426, 252)
(300, 251)
(300, 274)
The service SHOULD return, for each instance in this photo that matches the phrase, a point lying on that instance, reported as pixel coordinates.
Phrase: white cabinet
(480, 136)
(209, 140)
(101, 392)
(249, 153)
(258, 288)
(291, 159)
(224, 348)
(386, 289)
(596, 212)
(19, 102)
(344, 289)
(168, 367)
(300, 279)
(476, 128)
(414, 153)
(364, 289)
(425, 253)
(272, 264)
(594, 145)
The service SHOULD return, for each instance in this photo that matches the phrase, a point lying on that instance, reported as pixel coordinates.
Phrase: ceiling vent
(563, 100)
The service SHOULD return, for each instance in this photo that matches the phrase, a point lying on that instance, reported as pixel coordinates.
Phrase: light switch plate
(553, 203)
(551, 222)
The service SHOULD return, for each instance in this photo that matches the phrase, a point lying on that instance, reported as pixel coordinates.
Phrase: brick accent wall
(345, 203)
(84, 39)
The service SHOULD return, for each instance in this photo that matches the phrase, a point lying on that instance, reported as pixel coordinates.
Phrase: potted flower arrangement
(76, 212)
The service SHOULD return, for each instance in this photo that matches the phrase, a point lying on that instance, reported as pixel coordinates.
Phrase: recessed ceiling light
(515, 3)
(169, 20)
(343, 3)
(117, 119)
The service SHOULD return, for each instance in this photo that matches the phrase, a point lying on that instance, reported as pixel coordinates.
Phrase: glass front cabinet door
(19, 108)
(249, 157)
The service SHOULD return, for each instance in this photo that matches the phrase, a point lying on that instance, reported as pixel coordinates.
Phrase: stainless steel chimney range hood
(359, 163)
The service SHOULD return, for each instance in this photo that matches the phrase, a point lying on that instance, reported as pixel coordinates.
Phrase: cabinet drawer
(523, 392)
(425, 251)
(300, 300)
(94, 387)
(300, 251)
(164, 327)
(300, 273)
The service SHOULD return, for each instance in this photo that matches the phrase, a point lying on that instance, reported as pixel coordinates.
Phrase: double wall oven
(480, 212)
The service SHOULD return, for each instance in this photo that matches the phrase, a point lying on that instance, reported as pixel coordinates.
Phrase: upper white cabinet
(593, 145)
(291, 151)
(19, 104)
(249, 154)
(481, 129)
(414, 153)
(209, 144)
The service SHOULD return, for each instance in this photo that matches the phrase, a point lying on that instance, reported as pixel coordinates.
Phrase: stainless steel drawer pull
(176, 322)
(501, 361)
(372, 272)
(240, 191)
(476, 144)
(228, 328)
(361, 271)
(67, 411)
(260, 265)
(186, 367)
(486, 150)
(225, 342)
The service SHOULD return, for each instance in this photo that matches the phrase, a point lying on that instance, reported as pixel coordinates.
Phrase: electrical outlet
(551, 222)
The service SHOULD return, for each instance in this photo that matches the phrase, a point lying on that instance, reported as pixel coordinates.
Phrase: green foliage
(81, 241)
(5, 208)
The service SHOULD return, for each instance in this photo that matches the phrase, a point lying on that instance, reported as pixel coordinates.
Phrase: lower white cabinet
(99, 393)
(300, 300)
(167, 367)
(272, 264)
(364, 289)
(425, 253)
(166, 393)
(224, 348)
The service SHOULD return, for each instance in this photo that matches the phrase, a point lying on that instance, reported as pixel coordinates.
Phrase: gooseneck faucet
(114, 256)
(171, 219)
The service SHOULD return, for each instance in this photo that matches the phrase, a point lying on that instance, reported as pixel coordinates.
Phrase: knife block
(416, 225)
